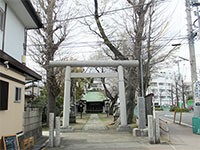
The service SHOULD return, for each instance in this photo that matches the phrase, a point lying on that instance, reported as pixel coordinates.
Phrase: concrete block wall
(33, 122)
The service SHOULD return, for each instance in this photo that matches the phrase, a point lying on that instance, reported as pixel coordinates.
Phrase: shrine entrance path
(94, 124)
(96, 136)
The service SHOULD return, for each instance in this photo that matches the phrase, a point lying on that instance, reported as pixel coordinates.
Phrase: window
(156, 104)
(154, 84)
(156, 97)
(18, 94)
(162, 90)
(161, 83)
(154, 90)
(3, 95)
(1, 19)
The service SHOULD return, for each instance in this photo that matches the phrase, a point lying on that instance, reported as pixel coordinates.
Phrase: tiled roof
(94, 96)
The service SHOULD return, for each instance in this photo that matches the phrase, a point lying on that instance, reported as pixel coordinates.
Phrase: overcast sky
(175, 9)
(179, 23)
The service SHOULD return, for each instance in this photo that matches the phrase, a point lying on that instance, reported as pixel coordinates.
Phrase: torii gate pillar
(122, 98)
(66, 108)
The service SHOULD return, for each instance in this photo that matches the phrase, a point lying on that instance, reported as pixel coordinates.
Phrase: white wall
(14, 37)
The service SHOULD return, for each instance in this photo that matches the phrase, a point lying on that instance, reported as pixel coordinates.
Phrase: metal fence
(164, 127)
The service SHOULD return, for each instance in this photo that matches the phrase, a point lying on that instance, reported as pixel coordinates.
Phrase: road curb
(177, 122)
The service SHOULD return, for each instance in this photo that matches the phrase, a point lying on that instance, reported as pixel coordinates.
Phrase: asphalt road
(186, 117)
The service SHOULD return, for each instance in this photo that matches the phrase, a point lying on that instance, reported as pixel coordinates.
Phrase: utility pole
(192, 54)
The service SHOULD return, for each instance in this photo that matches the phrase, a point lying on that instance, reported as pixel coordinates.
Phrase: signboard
(197, 92)
(10, 142)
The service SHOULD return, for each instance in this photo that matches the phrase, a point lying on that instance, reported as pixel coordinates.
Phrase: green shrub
(158, 109)
(179, 110)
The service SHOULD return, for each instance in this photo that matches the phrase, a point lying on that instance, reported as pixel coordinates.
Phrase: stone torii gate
(69, 75)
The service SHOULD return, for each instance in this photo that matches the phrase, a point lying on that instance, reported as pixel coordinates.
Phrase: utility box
(196, 125)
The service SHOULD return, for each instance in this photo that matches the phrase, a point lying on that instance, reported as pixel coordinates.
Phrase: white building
(97, 84)
(161, 85)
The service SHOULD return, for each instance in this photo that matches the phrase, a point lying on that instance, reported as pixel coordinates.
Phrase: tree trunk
(111, 111)
(130, 97)
(177, 104)
(130, 93)
(52, 92)
(51, 102)
(113, 102)
(160, 100)
(172, 97)
(183, 94)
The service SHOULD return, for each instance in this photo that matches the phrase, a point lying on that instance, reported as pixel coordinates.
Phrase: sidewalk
(95, 136)
(182, 137)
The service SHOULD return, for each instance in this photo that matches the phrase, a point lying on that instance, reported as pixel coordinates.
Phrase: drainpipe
(25, 47)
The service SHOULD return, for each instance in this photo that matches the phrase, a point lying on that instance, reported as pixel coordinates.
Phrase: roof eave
(29, 7)
(13, 63)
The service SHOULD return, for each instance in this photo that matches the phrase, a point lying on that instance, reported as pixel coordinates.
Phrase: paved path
(182, 137)
(94, 123)
(95, 136)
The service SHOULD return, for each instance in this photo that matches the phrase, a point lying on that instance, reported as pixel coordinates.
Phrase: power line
(101, 42)
(91, 15)
(82, 46)
(104, 13)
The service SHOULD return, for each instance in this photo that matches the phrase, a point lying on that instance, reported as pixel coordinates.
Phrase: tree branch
(104, 37)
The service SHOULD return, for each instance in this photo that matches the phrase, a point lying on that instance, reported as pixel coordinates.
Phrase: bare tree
(46, 42)
(180, 91)
(141, 34)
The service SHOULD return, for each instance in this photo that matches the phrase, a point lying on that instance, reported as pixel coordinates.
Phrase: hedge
(179, 110)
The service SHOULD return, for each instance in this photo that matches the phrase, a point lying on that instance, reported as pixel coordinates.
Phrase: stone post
(151, 129)
(141, 113)
(57, 144)
(122, 99)
(51, 129)
(157, 127)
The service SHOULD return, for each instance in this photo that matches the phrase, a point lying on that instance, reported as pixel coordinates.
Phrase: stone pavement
(94, 123)
(95, 136)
